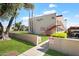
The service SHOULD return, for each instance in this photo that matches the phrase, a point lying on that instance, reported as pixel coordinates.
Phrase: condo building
(46, 24)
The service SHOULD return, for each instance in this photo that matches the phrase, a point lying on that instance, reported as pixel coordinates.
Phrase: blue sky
(69, 11)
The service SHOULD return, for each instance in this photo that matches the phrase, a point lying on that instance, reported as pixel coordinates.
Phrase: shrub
(60, 35)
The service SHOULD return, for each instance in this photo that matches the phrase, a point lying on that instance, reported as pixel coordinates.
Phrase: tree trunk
(9, 25)
(8, 28)
(29, 22)
(1, 30)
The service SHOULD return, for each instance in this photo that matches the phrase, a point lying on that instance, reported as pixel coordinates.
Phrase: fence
(67, 46)
(35, 39)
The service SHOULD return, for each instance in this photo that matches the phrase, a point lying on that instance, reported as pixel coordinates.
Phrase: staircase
(49, 28)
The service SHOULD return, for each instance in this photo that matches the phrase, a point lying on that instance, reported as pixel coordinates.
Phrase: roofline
(43, 15)
(74, 27)
(59, 15)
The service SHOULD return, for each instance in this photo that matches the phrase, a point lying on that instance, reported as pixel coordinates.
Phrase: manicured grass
(53, 53)
(20, 32)
(44, 38)
(20, 46)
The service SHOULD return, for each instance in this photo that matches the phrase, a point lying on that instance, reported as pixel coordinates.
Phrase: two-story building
(46, 24)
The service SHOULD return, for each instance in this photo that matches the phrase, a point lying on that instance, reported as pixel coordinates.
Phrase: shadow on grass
(54, 53)
(23, 41)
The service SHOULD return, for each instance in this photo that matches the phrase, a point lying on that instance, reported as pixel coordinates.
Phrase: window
(39, 19)
(53, 17)
(58, 29)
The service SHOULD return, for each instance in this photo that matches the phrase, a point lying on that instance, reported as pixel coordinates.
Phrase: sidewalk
(37, 50)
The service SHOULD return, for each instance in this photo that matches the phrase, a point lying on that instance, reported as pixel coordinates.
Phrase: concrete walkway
(37, 50)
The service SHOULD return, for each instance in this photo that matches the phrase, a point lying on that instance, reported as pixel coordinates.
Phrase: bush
(60, 35)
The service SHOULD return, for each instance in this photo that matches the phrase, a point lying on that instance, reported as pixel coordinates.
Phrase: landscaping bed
(59, 35)
(13, 47)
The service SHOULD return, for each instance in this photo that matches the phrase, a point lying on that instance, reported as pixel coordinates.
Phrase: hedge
(59, 34)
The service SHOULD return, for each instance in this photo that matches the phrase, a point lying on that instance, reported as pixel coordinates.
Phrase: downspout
(56, 25)
(32, 20)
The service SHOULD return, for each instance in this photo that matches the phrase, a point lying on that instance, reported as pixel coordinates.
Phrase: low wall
(35, 39)
(67, 46)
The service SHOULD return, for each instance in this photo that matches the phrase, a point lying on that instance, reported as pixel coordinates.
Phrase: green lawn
(53, 53)
(44, 38)
(15, 45)
(20, 32)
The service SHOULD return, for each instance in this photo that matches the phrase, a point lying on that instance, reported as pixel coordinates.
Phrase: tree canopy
(8, 9)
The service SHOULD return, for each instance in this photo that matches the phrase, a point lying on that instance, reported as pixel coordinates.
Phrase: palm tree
(9, 11)
(18, 25)
(32, 18)
(30, 14)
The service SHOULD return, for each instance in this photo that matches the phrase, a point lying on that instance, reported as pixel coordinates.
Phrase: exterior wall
(43, 22)
(59, 20)
(53, 30)
(67, 46)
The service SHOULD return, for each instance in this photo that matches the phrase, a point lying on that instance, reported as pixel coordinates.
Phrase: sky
(70, 11)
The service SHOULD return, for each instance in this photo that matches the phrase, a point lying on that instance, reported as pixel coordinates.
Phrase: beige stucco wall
(59, 18)
(43, 22)
(60, 21)
(67, 46)
(35, 39)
